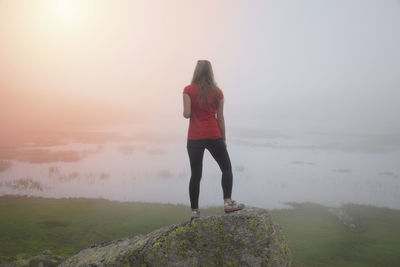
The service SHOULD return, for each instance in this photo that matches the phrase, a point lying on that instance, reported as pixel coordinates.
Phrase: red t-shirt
(203, 123)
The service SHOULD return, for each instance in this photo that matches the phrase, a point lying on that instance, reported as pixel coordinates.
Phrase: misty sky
(308, 65)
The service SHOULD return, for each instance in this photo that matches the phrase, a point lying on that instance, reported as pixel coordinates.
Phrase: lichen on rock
(245, 238)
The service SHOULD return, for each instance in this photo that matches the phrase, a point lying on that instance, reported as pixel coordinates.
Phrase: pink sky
(72, 63)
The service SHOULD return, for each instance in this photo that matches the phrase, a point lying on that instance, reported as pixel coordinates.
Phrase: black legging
(217, 149)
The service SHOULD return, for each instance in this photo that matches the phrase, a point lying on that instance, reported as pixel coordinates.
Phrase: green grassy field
(315, 235)
(318, 238)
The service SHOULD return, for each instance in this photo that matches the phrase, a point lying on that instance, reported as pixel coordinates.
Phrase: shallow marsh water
(270, 167)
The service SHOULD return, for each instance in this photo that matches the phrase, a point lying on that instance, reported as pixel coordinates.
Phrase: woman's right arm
(220, 119)
(186, 106)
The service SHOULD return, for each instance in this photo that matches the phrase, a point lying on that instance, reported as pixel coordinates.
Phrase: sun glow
(66, 10)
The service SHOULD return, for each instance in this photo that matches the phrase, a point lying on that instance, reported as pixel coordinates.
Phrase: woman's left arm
(186, 106)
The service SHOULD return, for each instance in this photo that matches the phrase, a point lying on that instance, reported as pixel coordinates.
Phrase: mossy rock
(245, 238)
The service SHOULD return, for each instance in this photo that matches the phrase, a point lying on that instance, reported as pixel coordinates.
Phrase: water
(270, 167)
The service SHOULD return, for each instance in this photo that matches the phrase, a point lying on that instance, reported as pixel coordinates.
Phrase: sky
(307, 65)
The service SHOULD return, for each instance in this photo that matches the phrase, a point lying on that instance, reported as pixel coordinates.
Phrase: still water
(270, 167)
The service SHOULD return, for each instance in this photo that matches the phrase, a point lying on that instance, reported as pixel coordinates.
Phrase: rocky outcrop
(245, 238)
(352, 223)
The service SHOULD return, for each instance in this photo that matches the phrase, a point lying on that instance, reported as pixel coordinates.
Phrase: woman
(202, 100)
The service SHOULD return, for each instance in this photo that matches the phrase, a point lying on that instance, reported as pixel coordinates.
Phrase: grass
(315, 236)
(318, 238)
(31, 224)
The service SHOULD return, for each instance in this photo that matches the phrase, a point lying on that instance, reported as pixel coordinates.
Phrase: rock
(44, 259)
(245, 238)
(349, 221)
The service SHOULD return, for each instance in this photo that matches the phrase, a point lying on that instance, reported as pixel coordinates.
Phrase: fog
(94, 89)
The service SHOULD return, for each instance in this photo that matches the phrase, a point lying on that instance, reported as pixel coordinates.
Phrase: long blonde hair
(203, 76)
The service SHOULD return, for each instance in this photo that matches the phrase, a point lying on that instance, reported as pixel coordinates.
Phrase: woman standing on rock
(202, 100)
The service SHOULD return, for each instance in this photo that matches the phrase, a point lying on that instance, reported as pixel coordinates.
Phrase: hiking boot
(195, 215)
(234, 206)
